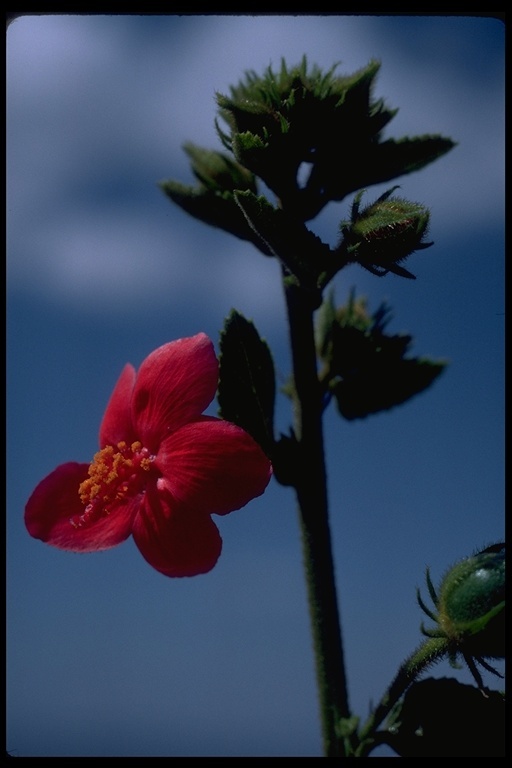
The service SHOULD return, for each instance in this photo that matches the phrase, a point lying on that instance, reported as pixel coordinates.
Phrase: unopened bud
(385, 233)
(472, 603)
(470, 610)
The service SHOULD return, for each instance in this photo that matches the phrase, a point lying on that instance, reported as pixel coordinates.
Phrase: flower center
(115, 473)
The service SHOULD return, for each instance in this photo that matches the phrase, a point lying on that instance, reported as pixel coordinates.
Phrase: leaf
(396, 157)
(387, 160)
(385, 382)
(246, 393)
(218, 171)
(214, 208)
(368, 370)
(299, 249)
(444, 718)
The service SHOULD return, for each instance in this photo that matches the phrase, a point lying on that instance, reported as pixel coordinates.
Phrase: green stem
(311, 489)
(428, 652)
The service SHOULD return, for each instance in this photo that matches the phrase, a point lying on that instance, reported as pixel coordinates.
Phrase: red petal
(174, 385)
(174, 540)
(213, 466)
(56, 500)
(117, 421)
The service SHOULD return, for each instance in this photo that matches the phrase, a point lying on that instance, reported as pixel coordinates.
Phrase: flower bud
(471, 603)
(470, 606)
(384, 233)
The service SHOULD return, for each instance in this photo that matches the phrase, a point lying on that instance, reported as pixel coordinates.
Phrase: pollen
(115, 473)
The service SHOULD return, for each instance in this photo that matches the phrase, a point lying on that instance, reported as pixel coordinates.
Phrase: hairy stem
(311, 489)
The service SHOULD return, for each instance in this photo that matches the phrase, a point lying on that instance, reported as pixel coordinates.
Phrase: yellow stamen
(115, 473)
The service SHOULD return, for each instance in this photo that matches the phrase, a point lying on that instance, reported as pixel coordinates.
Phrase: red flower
(162, 470)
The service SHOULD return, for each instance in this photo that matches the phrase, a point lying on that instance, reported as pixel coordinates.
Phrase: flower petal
(117, 420)
(55, 501)
(173, 539)
(213, 466)
(174, 385)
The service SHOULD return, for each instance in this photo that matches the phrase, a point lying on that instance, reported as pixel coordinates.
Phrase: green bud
(470, 606)
(471, 603)
(385, 233)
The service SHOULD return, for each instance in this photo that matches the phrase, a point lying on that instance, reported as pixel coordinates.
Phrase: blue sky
(106, 656)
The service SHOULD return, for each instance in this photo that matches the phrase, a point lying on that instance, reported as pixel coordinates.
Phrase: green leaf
(251, 150)
(366, 369)
(383, 381)
(214, 208)
(275, 162)
(246, 393)
(444, 718)
(303, 115)
(217, 171)
(381, 162)
(299, 249)
(398, 157)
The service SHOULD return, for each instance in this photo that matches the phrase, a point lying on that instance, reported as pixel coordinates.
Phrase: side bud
(384, 233)
(472, 603)
(470, 609)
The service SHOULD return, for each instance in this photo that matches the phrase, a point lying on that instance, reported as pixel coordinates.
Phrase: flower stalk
(311, 492)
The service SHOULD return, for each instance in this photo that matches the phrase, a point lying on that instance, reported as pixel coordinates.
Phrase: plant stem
(311, 489)
(428, 652)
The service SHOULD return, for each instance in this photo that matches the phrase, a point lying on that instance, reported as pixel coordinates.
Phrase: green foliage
(296, 122)
(281, 120)
(314, 137)
(347, 731)
(365, 369)
(444, 718)
(214, 208)
(303, 253)
(218, 171)
(212, 200)
(246, 392)
(397, 157)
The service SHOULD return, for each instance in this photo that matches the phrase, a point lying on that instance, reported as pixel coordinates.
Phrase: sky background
(107, 657)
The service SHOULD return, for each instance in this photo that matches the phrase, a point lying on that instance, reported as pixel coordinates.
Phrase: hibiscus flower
(162, 470)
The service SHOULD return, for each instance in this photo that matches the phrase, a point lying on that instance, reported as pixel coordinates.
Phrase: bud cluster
(297, 116)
